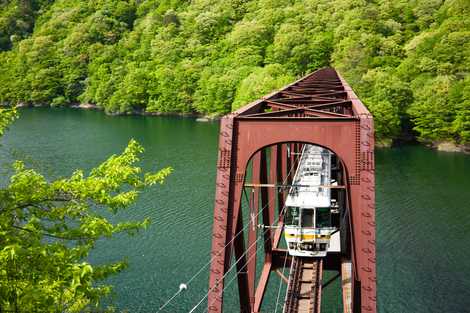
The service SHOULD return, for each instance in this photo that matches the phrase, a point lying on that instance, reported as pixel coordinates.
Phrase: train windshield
(323, 217)
(308, 216)
(292, 217)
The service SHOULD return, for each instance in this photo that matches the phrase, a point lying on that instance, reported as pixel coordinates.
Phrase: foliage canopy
(48, 228)
(205, 55)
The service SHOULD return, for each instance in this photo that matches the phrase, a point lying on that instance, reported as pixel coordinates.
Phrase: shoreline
(448, 146)
(441, 146)
(88, 106)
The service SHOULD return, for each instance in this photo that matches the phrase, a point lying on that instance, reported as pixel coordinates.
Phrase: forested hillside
(407, 60)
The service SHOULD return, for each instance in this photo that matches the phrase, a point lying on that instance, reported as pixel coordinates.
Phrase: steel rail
(305, 286)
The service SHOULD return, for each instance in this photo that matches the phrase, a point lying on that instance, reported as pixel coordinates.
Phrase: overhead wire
(280, 283)
(238, 260)
(228, 243)
(203, 267)
(206, 265)
(228, 271)
(266, 230)
(274, 222)
(244, 266)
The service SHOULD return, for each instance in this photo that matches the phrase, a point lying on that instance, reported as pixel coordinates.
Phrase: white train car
(308, 230)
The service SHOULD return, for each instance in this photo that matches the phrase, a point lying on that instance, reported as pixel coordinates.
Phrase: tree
(196, 56)
(47, 229)
(461, 98)
(260, 82)
(217, 88)
(6, 117)
(432, 111)
(386, 118)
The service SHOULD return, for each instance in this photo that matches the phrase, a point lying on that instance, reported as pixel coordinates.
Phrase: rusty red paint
(320, 109)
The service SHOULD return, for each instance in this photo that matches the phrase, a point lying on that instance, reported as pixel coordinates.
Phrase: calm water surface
(423, 211)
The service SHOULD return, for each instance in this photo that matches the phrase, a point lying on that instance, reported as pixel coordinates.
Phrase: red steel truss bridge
(259, 146)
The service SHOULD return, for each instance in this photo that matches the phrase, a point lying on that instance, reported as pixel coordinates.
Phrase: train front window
(292, 217)
(307, 218)
(323, 217)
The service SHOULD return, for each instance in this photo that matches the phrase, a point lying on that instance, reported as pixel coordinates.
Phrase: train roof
(309, 176)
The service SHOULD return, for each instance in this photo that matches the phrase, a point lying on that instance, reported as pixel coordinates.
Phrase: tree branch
(49, 234)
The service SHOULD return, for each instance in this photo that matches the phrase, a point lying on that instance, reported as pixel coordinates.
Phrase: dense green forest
(407, 60)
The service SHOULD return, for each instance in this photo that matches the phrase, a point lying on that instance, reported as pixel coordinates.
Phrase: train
(311, 221)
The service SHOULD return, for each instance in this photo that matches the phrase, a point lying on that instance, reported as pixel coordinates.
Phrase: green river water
(423, 211)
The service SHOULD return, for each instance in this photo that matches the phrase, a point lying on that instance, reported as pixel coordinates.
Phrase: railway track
(304, 288)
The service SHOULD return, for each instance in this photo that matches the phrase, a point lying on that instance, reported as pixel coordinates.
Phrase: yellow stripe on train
(305, 236)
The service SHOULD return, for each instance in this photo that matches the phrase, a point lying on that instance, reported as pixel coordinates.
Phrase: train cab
(310, 229)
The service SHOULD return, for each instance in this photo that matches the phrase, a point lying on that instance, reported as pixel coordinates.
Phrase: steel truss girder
(243, 138)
